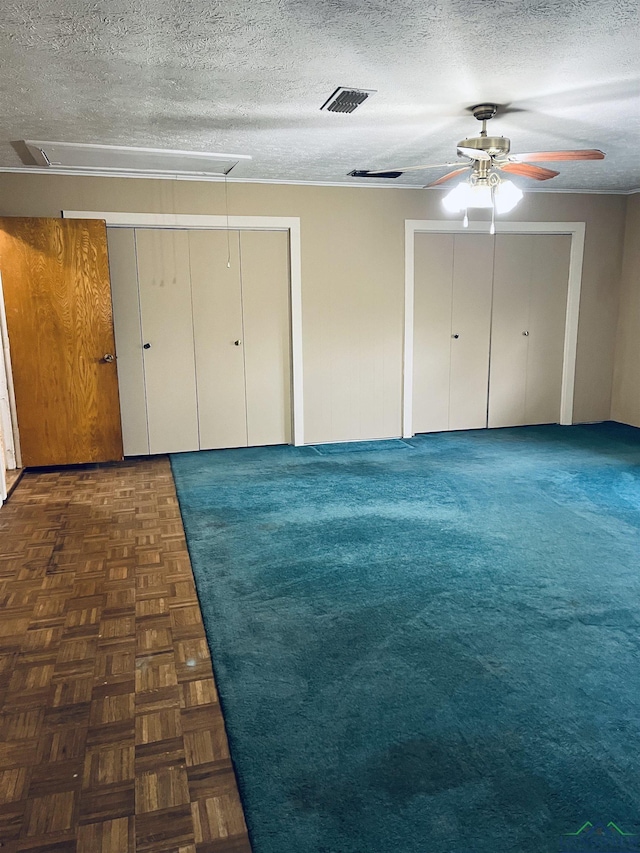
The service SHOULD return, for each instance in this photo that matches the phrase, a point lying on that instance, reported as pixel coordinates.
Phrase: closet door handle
(146, 346)
(108, 358)
(526, 334)
(455, 337)
(237, 343)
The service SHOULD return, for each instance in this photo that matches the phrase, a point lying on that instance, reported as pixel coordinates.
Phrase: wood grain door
(55, 276)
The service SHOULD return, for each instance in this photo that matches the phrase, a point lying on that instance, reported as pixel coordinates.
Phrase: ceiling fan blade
(411, 168)
(449, 176)
(527, 171)
(474, 153)
(548, 156)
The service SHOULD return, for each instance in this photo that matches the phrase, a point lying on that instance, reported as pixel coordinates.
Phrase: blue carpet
(428, 651)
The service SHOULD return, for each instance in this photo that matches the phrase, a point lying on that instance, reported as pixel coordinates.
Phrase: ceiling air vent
(346, 100)
(122, 159)
(365, 173)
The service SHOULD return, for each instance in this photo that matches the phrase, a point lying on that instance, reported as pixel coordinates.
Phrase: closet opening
(490, 324)
(124, 263)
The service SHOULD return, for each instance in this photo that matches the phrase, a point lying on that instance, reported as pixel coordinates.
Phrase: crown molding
(79, 173)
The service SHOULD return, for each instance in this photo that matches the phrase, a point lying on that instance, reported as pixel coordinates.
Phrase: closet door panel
(509, 351)
(167, 325)
(217, 323)
(433, 296)
(128, 335)
(267, 348)
(471, 321)
(547, 317)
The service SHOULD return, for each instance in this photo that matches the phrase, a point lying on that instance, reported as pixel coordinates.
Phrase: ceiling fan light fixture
(507, 196)
(455, 201)
(466, 195)
(483, 191)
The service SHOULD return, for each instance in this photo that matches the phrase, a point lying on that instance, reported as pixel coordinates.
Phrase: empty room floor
(111, 736)
(424, 639)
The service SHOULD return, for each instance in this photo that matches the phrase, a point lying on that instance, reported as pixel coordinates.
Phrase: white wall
(353, 279)
(626, 384)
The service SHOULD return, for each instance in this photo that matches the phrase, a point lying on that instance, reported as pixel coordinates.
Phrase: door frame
(576, 230)
(8, 413)
(205, 222)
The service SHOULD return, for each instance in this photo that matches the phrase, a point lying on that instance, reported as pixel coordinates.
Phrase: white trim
(291, 224)
(577, 191)
(571, 323)
(409, 287)
(388, 184)
(36, 149)
(576, 230)
(12, 440)
(295, 273)
(118, 219)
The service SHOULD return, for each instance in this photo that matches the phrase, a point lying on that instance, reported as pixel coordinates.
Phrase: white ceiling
(249, 77)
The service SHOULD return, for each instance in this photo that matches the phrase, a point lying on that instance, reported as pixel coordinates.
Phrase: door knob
(146, 346)
(108, 358)
(455, 336)
(237, 343)
(526, 334)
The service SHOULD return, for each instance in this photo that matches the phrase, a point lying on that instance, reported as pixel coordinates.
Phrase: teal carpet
(429, 645)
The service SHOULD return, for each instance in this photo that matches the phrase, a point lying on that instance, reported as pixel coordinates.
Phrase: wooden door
(167, 330)
(218, 338)
(55, 276)
(267, 336)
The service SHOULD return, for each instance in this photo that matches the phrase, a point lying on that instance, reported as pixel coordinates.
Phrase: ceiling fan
(484, 153)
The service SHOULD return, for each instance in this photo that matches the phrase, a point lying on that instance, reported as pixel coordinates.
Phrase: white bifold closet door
(202, 329)
(240, 292)
(452, 320)
(530, 279)
(267, 335)
(489, 329)
(218, 338)
(164, 277)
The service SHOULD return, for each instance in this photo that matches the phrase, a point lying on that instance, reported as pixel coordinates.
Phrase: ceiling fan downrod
(484, 112)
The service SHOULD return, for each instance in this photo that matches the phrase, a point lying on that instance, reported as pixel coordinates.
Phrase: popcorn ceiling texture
(249, 76)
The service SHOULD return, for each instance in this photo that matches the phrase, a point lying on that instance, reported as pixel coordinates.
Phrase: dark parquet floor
(111, 735)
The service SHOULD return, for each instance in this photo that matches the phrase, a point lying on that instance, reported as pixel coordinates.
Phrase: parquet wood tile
(111, 734)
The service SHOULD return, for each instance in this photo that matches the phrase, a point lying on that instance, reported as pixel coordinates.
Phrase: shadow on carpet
(429, 650)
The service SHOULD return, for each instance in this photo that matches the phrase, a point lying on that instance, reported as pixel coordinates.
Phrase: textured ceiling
(249, 76)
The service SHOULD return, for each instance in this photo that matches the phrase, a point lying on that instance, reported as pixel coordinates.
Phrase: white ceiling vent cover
(346, 99)
(121, 159)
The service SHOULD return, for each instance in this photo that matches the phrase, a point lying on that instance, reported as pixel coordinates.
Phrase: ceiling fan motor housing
(496, 146)
(483, 112)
